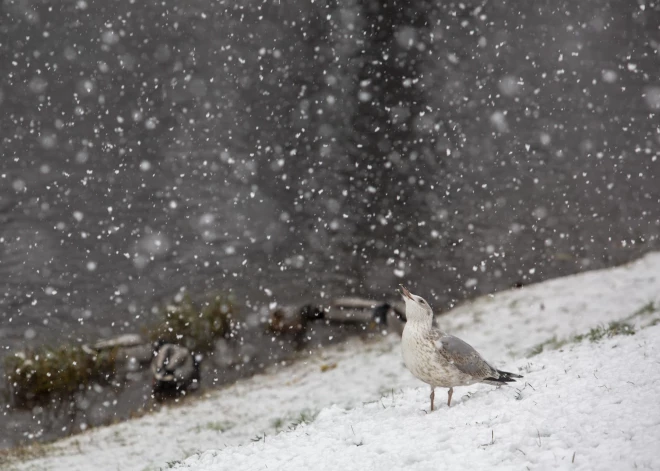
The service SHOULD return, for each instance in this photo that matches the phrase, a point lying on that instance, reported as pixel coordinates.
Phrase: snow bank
(578, 400)
(593, 406)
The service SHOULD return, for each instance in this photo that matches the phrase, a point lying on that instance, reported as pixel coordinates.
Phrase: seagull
(439, 359)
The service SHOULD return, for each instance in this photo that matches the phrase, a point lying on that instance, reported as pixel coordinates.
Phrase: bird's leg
(432, 397)
(450, 393)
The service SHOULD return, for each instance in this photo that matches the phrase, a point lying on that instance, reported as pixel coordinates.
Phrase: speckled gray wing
(462, 356)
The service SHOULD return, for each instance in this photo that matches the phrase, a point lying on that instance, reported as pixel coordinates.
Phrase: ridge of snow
(504, 327)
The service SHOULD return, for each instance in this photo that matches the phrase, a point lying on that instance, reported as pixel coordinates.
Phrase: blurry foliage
(22, 453)
(305, 416)
(646, 309)
(600, 332)
(194, 326)
(47, 375)
(43, 375)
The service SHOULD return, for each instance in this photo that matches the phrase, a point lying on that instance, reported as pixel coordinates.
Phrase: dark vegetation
(51, 374)
(195, 326)
(48, 375)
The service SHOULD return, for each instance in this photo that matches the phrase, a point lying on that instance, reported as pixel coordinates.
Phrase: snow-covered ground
(592, 406)
(589, 405)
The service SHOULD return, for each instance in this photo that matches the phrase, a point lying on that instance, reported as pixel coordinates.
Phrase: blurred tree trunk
(383, 146)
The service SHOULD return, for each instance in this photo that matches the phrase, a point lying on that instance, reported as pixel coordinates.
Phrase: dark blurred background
(295, 150)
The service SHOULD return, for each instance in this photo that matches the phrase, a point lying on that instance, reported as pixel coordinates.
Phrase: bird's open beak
(405, 293)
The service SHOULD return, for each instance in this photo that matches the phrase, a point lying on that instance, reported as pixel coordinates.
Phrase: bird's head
(417, 309)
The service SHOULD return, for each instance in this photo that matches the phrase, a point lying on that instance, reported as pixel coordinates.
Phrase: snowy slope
(597, 402)
(504, 327)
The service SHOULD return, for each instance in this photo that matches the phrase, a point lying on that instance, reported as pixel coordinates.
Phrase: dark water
(256, 149)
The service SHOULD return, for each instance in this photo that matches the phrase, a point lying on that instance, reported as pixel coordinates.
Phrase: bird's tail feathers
(504, 377)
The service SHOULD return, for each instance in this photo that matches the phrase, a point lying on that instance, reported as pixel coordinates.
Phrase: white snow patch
(586, 407)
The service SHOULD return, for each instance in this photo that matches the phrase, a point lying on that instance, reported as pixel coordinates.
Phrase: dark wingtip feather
(498, 380)
(505, 377)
